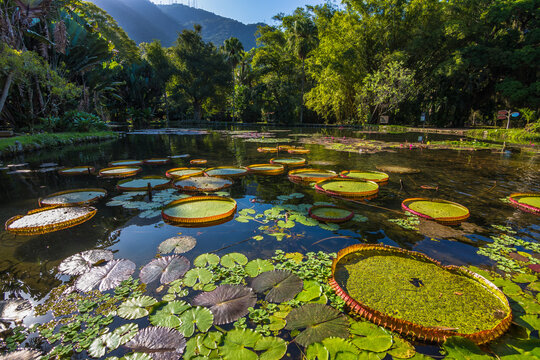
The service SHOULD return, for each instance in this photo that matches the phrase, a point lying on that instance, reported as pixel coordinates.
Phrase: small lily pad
(177, 244)
(106, 277)
(136, 308)
(228, 303)
(82, 262)
(167, 268)
(281, 285)
(370, 337)
(258, 266)
(206, 259)
(230, 260)
(158, 342)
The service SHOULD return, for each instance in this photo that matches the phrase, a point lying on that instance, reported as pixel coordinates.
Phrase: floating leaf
(22, 355)
(228, 303)
(370, 337)
(206, 259)
(101, 345)
(197, 276)
(461, 348)
(136, 308)
(82, 262)
(126, 332)
(195, 348)
(274, 348)
(402, 349)
(202, 317)
(342, 349)
(312, 290)
(236, 342)
(282, 285)
(177, 244)
(168, 268)
(319, 321)
(14, 310)
(289, 224)
(160, 343)
(166, 317)
(106, 277)
(232, 259)
(317, 351)
(258, 266)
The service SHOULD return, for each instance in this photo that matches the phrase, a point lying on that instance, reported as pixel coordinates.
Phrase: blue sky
(249, 11)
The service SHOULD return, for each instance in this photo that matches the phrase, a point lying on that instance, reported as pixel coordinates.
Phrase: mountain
(145, 21)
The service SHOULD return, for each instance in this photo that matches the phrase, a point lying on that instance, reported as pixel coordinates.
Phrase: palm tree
(302, 38)
(234, 51)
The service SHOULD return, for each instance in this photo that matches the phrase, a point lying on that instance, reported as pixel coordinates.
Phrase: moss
(419, 291)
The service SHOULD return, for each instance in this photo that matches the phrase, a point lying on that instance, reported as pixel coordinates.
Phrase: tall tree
(235, 52)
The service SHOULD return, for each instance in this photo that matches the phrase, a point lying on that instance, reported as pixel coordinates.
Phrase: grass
(47, 139)
(517, 136)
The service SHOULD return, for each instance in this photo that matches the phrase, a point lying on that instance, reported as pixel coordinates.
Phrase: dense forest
(67, 65)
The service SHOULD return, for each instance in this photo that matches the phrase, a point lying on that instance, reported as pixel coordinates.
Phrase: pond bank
(516, 136)
(27, 143)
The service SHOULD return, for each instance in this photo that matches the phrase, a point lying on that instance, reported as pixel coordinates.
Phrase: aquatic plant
(177, 244)
(199, 210)
(75, 197)
(120, 171)
(83, 262)
(144, 183)
(442, 211)
(49, 219)
(203, 184)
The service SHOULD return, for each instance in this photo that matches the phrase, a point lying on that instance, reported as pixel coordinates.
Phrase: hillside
(145, 21)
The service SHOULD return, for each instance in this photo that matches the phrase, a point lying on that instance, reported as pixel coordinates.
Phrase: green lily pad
(206, 259)
(228, 303)
(459, 348)
(136, 308)
(317, 351)
(126, 332)
(230, 260)
(273, 348)
(339, 348)
(370, 337)
(318, 321)
(236, 343)
(198, 276)
(258, 266)
(167, 316)
(401, 349)
(524, 278)
(312, 290)
(103, 344)
(198, 316)
(177, 244)
(281, 285)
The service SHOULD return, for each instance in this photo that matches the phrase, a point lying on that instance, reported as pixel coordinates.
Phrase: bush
(76, 121)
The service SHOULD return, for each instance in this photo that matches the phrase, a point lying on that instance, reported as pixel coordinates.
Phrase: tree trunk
(234, 98)
(167, 108)
(302, 95)
(5, 91)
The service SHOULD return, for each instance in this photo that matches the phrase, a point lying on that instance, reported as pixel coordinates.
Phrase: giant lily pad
(142, 184)
(349, 188)
(15, 309)
(288, 161)
(267, 169)
(106, 277)
(177, 244)
(410, 293)
(84, 261)
(529, 202)
(397, 169)
(329, 213)
(298, 151)
(183, 172)
(168, 269)
(228, 303)
(157, 161)
(125, 163)
(310, 175)
(198, 162)
(46, 220)
(159, 342)
(280, 285)
(266, 149)
(318, 322)
(203, 184)
(73, 197)
(375, 176)
(120, 171)
(77, 170)
(227, 171)
(442, 211)
(199, 210)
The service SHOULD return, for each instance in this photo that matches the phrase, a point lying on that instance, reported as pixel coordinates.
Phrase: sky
(248, 11)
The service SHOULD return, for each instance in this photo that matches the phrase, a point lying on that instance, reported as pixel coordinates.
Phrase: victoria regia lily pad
(290, 162)
(228, 303)
(73, 197)
(77, 170)
(168, 269)
(142, 184)
(227, 171)
(125, 163)
(49, 219)
(203, 184)
(442, 211)
(412, 294)
(331, 214)
(106, 277)
(317, 322)
(177, 244)
(267, 169)
(198, 162)
(529, 202)
(199, 210)
(82, 262)
(267, 149)
(397, 169)
(279, 285)
(348, 188)
(310, 175)
(375, 176)
(15, 309)
(183, 172)
(157, 161)
(298, 151)
(159, 342)
(120, 171)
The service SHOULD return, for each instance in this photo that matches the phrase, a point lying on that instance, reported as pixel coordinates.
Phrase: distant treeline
(456, 61)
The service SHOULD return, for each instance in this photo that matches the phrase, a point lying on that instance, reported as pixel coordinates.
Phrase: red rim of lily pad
(408, 328)
(100, 194)
(196, 172)
(77, 170)
(198, 162)
(265, 149)
(375, 176)
(297, 176)
(267, 169)
(298, 151)
(226, 215)
(447, 220)
(515, 200)
(120, 171)
(369, 193)
(330, 219)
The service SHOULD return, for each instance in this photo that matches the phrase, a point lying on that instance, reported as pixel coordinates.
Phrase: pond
(271, 210)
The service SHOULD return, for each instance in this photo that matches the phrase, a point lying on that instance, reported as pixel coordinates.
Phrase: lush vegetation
(457, 61)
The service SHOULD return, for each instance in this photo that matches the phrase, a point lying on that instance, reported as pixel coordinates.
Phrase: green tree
(234, 51)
